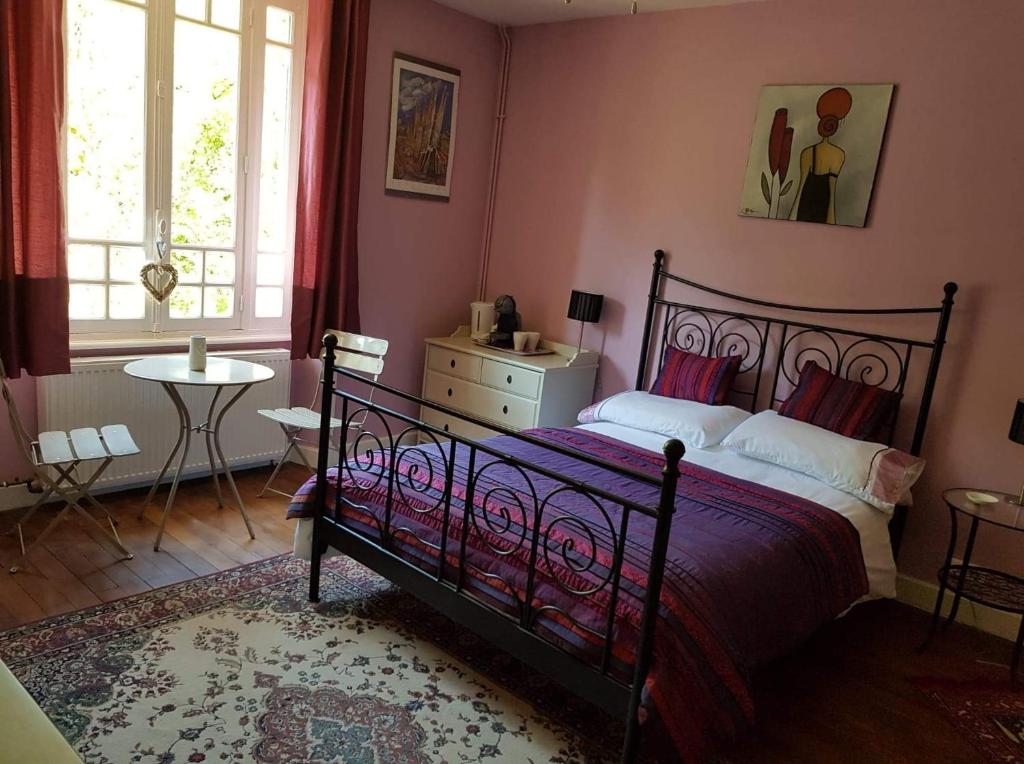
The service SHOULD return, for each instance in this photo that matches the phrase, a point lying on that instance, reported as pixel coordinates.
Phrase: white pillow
(698, 425)
(879, 475)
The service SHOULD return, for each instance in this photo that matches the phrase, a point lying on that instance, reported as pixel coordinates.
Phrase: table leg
(943, 577)
(224, 462)
(186, 429)
(209, 447)
(968, 551)
(1015, 660)
(170, 458)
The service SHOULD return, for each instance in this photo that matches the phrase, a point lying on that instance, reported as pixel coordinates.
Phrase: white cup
(532, 341)
(197, 353)
(519, 340)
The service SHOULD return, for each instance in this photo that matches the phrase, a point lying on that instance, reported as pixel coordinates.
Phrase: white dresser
(512, 390)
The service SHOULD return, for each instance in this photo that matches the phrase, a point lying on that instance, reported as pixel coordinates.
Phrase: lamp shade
(586, 307)
(1017, 425)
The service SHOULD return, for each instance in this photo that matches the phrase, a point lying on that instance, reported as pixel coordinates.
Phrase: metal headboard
(774, 340)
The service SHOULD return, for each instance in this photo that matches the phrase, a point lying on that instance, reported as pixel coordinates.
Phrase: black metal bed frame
(399, 439)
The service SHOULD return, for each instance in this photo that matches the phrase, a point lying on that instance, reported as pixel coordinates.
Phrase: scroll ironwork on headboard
(759, 326)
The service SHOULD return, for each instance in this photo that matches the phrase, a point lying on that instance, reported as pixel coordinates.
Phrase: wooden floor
(76, 568)
(844, 697)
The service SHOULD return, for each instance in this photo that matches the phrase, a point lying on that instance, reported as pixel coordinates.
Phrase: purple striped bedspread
(751, 572)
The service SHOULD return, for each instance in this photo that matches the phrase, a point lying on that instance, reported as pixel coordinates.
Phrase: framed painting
(815, 151)
(424, 114)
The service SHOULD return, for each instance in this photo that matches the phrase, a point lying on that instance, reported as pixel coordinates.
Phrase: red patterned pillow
(849, 408)
(693, 377)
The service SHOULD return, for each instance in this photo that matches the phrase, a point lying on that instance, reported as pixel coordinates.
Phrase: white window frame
(160, 26)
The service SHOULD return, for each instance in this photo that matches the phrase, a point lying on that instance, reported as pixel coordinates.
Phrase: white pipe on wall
(499, 129)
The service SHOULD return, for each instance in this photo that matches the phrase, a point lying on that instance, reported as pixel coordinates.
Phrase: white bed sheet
(871, 524)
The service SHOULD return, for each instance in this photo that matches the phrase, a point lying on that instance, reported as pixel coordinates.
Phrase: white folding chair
(355, 352)
(60, 453)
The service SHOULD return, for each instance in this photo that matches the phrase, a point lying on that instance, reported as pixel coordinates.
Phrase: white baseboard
(922, 594)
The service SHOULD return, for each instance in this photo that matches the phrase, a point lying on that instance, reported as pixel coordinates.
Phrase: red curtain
(325, 294)
(34, 332)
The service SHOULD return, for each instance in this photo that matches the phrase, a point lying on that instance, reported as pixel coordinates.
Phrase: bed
(644, 576)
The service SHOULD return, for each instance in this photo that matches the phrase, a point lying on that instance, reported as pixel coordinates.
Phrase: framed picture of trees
(424, 114)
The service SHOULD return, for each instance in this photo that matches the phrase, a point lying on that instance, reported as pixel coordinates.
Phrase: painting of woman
(821, 163)
(840, 127)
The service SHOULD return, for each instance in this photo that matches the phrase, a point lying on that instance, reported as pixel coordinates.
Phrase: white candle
(197, 353)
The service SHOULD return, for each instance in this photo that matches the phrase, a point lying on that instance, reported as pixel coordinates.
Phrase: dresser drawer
(453, 363)
(513, 379)
(455, 425)
(484, 402)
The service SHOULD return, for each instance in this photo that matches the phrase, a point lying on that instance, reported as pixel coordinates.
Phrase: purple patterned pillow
(693, 377)
(849, 408)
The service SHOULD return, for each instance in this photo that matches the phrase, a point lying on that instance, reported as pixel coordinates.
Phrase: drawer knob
(452, 363)
(504, 409)
(449, 392)
(509, 379)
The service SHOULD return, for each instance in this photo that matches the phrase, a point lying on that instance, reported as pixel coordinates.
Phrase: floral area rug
(240, 667)
(988, 714)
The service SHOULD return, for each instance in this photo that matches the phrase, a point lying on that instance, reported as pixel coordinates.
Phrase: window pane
(205, 128)
(270, 270)
(87, 301)
(189, 265)
(225, 13)
(279, 25)
(195, 9)
(273, 214)
(218, 302)
(127, 301)
(106, 112)
(185, 302)
(87, 262)
(220, 268)
(126, 262)
(269, 302)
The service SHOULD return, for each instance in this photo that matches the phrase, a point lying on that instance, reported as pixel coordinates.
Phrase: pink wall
(419, 259)
(628, 134)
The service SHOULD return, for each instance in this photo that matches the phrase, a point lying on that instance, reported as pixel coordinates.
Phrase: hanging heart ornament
(159, 279)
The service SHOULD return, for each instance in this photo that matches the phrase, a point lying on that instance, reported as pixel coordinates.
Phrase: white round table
(172, 370)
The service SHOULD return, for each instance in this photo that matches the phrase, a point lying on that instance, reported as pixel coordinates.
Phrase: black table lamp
(585, 308)
(1017, 436)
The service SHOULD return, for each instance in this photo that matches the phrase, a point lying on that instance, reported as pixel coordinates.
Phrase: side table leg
(170, 457)
(186, 428)
(224, 462)
(209, 447)
(1015, 660)
(943, 578)
(968, 551)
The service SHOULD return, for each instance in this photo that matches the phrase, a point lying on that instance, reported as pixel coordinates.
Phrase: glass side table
(986, 586)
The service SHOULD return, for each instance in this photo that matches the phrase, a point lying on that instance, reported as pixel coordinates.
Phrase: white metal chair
(356, 352)
(62, 453)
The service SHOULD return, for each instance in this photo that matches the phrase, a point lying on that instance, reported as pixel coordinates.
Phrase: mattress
(871, 524)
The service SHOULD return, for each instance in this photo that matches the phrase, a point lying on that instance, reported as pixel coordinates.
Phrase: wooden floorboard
(846, 696)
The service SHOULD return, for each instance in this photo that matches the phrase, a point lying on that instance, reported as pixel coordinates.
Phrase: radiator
(98, 392)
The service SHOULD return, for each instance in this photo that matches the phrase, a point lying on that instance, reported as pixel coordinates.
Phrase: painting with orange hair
(839, 130)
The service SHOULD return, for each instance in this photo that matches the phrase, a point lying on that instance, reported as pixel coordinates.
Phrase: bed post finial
(674, 451)
(645, 346)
